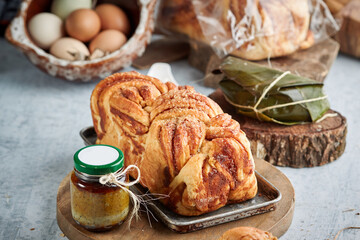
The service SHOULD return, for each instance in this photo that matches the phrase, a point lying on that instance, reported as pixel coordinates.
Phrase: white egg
(69, 49)
(63, 8)
(45, 29)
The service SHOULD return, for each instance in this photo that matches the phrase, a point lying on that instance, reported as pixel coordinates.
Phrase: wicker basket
(142, 21)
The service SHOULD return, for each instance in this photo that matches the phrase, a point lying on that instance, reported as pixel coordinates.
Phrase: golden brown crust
(118, 107)
(247, 233)
(264, 28)
(183, 143)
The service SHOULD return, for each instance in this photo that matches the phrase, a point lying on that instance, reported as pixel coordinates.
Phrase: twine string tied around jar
(117, 179)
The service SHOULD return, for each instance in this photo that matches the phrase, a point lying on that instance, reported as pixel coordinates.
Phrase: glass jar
(95, 206)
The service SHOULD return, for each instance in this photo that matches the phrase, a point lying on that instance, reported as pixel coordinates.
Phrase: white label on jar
(98, 155)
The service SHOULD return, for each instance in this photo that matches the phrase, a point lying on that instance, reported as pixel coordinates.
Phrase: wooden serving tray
(276, 222)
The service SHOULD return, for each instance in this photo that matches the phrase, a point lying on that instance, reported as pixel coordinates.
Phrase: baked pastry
(183, 143)
(251, 29)
(247, 233)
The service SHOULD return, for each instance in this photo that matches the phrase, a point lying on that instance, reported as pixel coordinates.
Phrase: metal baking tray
(264, 201)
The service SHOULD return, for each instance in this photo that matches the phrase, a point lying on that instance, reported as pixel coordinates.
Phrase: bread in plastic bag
(250, 29)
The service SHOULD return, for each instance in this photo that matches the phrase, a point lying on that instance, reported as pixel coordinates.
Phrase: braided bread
(183, 143)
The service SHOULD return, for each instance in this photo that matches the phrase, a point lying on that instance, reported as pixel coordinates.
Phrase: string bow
(118, 178)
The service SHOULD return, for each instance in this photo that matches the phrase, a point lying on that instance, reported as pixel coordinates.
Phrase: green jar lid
(98, 159)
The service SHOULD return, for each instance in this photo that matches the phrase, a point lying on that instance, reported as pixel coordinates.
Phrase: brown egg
(83, 24)
(113, 17)
(108, 41)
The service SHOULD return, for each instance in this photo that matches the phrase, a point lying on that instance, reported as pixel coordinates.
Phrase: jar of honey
(95, 206)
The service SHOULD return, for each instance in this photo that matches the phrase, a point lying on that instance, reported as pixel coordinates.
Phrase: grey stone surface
(40, 120)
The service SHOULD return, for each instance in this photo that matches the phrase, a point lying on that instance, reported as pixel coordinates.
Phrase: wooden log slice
(305, 145)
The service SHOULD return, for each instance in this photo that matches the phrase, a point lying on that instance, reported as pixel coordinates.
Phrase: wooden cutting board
(348, 11)
(349, 33)
(313, 63)
(276, 222)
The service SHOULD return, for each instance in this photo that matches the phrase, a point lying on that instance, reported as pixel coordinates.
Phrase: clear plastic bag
(250, 29)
